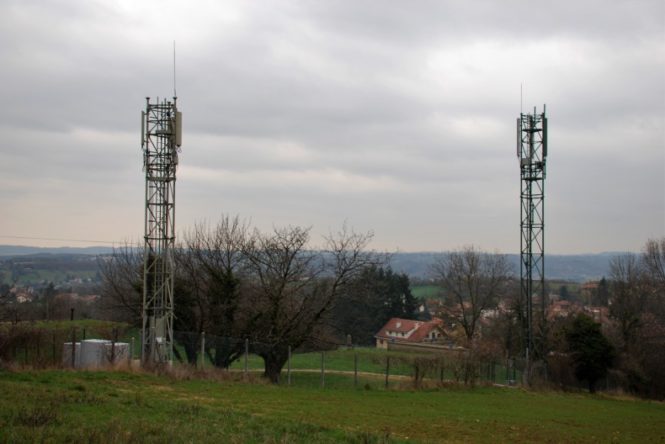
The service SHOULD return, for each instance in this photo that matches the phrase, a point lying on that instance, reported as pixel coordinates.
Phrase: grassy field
(426, 291)
(114, 407)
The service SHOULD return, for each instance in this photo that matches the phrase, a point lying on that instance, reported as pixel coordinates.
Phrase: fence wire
(325, 364)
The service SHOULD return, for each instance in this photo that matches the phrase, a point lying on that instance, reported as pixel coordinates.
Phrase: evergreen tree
(591, 351)
(602, 294)
(376, 295)
(563, 293)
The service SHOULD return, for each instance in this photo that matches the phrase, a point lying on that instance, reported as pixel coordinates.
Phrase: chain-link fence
(97, 344)
(67, 344)
(339, 365)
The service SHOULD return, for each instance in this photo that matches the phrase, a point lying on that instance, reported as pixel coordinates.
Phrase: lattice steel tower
(160, 140)
(532, 153)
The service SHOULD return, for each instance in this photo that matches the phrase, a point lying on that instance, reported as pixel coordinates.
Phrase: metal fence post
(246, 356)
(153, 349)
(113, 341)
(355, 370)
(14, 345)
(142, 356)
(288, 368)
(387, 369)
(53, 348)
(73, 347)
(39, 339)
(323, 370)
(203, 349)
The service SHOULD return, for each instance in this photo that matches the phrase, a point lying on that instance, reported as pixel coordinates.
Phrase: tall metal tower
(161, 137)
(532, 153)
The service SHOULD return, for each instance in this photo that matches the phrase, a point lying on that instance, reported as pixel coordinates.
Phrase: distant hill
(573, 267)
(16, 250)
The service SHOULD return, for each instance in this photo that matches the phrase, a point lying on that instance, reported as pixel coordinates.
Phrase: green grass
(370, 360)
(104, 407)
(425, 291)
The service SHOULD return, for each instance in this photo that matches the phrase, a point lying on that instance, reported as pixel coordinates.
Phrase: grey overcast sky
(395, 116)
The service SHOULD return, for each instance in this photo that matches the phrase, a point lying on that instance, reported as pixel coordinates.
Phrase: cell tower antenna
(532, 154)
(174, 92)
(161, 137)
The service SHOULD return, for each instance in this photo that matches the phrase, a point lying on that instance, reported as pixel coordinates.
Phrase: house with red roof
(398, 331)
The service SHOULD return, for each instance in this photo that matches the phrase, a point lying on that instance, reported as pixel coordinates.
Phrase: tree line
(620, 334)
(272, 288)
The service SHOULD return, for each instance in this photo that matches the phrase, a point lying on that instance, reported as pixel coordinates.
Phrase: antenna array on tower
(161, 137)
(532, 155)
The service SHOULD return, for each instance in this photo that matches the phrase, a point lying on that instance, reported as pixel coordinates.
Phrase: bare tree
(637, 296)
(654, 260)
(653, 265)
(628, 297)
(293, 287)
(122, 284)
(474, 281)
(4, 299)
(272, 288)
(213, 267)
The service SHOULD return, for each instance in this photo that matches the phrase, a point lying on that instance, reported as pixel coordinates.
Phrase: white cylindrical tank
(95, 353)
(67, 354)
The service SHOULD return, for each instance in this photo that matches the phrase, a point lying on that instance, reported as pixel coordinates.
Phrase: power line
(8, 236)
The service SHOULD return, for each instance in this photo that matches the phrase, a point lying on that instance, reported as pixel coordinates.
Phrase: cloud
(397, 117)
